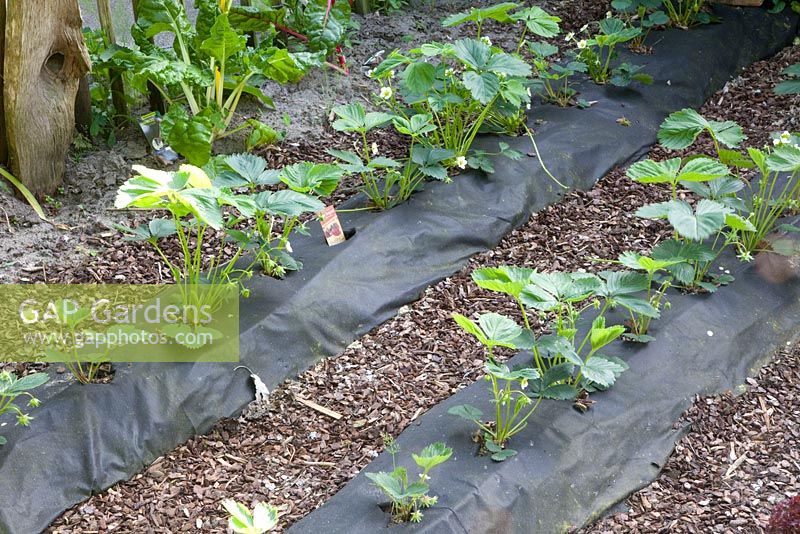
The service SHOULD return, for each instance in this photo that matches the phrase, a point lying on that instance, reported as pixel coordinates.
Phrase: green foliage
(387, 182)
(275, 214)
(263, 518)
(83, 361)
(681, 129)
(195, 207)
(685, 13)
(721, 217)
(599, 51)
(644, 14)
(777, 191)
(465, 87)
(476, 15)
(552, 80)
(11, 388)
(409, 497)
(208, 69)
(513, 406)
(388, 7)
(779, 5)
(103, 114)
(324, 23)
(792, 86)
(569, 359)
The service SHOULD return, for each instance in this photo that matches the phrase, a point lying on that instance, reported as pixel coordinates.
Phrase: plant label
(150, 124)
(331, 226)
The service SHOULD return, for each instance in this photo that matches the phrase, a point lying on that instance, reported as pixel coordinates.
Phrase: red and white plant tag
(331, 227)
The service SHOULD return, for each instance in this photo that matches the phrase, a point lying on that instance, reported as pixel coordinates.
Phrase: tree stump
(45, 59)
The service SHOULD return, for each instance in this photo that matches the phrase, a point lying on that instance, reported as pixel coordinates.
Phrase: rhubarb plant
(410, 496)
(12, 388)
(203, 77)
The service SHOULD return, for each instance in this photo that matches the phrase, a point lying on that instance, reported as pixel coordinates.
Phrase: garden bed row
(370, 417)
(736, 463)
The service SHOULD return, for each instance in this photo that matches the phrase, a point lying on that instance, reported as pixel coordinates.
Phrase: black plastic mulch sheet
(573, 466)
(87, 438)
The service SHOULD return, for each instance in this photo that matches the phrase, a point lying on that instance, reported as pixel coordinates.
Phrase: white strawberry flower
(461, 162)
(386, 93)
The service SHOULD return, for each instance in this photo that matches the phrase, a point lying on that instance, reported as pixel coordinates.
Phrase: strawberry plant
(562, 299)
(275, 214)
(778, 190)
(771, 195)
(513, 406)
(692, 224)
(647, 14)
(791, 86)
(566, 361)
(195, 208)
(535, 21)
(409, 497)
(387, 182)
(12, 388)
(599, 51)
(552, 80)
(263, 518)
(685, 13)
(642, 311)
(478, 15)
(465, 86)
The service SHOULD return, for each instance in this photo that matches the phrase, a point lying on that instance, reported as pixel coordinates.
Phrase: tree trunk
(44, 63)
(115, 75)
(3, 142)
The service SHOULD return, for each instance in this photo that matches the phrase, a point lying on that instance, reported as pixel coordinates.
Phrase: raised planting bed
(295, 457)
(701, 489)
(95, 436)
(571, 467)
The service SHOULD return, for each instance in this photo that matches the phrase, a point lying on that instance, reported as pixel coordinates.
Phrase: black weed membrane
(570, 466)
